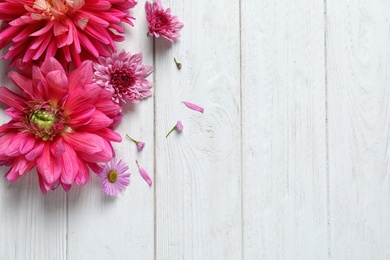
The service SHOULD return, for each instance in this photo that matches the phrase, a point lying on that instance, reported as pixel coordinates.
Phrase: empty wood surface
(290, 159)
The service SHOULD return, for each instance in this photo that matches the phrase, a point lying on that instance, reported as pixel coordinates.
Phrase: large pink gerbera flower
(124, 76)
(70, 30)
(60, 124)
(161, 22)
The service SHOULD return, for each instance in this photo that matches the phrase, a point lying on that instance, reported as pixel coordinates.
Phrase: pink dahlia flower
(61, 124)
(70, 30)
(161, 22)
(124, 76)
(114, 177)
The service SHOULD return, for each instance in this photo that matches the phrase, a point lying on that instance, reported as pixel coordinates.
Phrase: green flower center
(43, 119)
(112, 176)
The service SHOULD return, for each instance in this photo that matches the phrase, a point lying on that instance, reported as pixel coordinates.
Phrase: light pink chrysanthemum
(70, 30)
(161, 22)
(61, 124)
(114, 177)
(124, 76)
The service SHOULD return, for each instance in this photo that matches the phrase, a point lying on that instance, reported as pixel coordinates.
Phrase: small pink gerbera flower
(70, 30)
(161, 22)
(114, 177)
(61, 124)
(124, 76)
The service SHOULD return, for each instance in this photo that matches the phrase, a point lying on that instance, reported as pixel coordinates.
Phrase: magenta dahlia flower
(124, 76)
(114, 177)
(70, 30)
(161, 22)
(60, 123)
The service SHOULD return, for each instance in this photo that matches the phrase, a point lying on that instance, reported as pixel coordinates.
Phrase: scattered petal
(144, 174)
(193, 106)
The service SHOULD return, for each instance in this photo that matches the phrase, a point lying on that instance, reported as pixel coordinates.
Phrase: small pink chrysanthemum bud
(179, 127)
(140, 144)
(144, 174)
(178, 64)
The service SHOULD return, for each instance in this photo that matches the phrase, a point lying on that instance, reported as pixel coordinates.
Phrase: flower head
(70, 30)
(140, 144)
(60, 124)
(161, 22)
(179, 127)
(114, 177)
(124, 76)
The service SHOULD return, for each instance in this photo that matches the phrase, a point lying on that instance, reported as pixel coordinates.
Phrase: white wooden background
(290, 159)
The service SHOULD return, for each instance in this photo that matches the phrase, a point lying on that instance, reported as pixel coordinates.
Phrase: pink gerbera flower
(70, 30)
(124, 76)
(61, 124)
(161, 22)
(114, 177)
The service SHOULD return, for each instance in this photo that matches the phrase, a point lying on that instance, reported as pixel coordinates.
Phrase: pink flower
(140, 144)
(144, 174)
(179, 127)
(161, 22)
(124, 76)
(60, 124)
(114, 177)
(193, 106)
(70, 30)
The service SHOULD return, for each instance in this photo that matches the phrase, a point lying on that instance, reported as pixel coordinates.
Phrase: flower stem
(178, 64)
(135, 141)
(170, 131)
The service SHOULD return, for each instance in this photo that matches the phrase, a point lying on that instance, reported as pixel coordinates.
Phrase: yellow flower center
(112, 176)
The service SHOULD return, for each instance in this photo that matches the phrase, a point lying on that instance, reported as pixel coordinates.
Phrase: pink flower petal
(193, 106)
(85, 142)
(82, 176)
(144, 174)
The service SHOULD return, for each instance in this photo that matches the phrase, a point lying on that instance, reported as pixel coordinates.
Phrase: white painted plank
(284, 148)
(101, 227)
(358, 74)
(198, 199)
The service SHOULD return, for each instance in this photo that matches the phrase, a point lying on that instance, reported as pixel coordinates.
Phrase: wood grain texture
(359, 119)
(283, 124)
(198, 201)
(101, 227)
(290, 159)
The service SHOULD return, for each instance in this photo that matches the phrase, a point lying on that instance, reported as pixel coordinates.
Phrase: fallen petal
(193, 106)
(144, 174)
